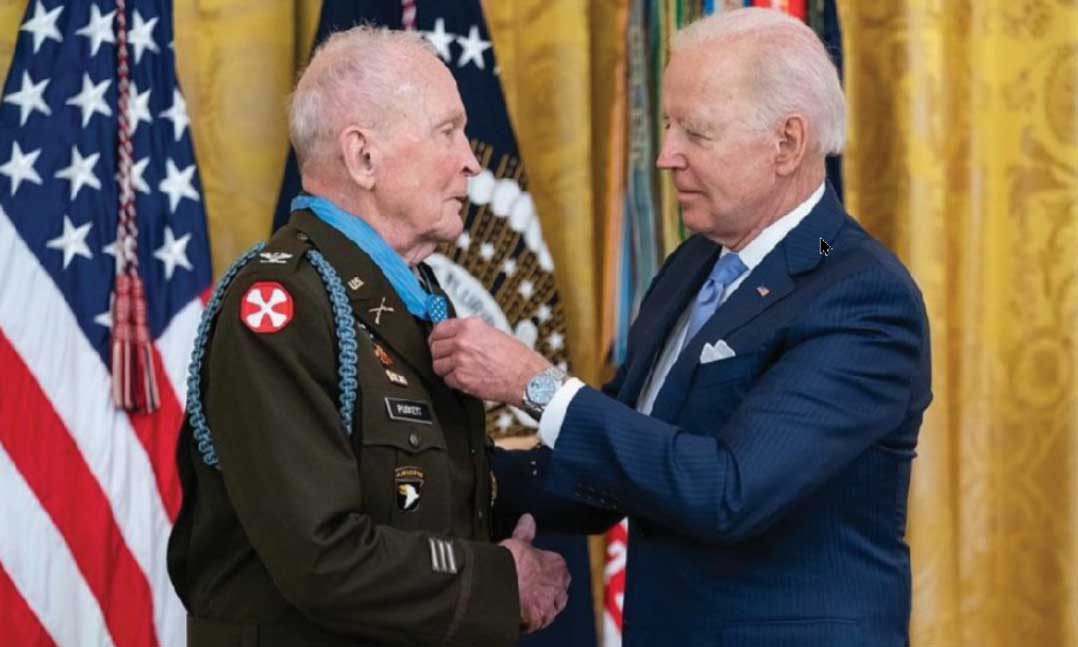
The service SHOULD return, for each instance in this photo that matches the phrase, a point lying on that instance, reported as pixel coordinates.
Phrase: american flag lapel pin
(763, 290)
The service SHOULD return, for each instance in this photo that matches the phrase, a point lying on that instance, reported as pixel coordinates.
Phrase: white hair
(354, 76)
(787, 71)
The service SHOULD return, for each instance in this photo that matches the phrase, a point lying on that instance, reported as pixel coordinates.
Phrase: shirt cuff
(554, 413)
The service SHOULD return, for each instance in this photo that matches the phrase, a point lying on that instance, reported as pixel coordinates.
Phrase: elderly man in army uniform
(336, 491)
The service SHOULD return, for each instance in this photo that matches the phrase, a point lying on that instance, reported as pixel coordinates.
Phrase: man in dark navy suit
(759, 435)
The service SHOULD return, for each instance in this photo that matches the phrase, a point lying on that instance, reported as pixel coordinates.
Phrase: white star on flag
(138, 108)
(91, 99)
(556, 341)
(137, 171)
(105, 318)
(441, 39)
(543, 313)
(173, 252)
(465, 241)
(141, 36)
(111, 250)
(72, 242)
(177, 184)
(486, 251)
(473, 47)
(177, 113)
(43, 25)
(526, 289)
(29, 98)
(509, 267)
(98, 29)
(80, 172)
(21, 167)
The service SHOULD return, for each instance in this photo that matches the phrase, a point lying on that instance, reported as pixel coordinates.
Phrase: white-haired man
(759, 435)
(336, 490)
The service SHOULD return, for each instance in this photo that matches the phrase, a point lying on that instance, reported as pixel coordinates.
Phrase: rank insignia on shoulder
(409, 486)
(274, 258)
(396, 378)
(409, 410)
(267, 307)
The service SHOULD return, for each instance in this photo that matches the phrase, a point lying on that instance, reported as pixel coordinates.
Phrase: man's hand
(542, 577)
(483, 361)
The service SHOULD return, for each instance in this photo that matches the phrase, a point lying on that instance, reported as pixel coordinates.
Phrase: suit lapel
(374, 301)
(670, 297)
(798, 253)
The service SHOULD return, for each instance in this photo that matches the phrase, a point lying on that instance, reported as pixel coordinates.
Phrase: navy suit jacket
(767, 491)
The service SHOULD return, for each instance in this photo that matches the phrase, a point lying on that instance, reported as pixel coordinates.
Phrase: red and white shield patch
(267, 307)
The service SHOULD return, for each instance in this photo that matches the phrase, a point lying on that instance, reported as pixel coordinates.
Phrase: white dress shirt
(752, 254)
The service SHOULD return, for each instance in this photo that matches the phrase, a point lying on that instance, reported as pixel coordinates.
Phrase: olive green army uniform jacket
(308, 534)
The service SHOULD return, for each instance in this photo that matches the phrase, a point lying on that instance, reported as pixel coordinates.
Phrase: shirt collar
(766, 240)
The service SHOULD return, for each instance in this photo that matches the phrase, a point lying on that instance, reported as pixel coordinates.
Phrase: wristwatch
(540, 390)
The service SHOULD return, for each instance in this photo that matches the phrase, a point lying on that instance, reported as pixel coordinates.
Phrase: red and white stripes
(94, 488)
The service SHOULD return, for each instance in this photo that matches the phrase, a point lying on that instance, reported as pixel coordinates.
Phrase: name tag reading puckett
(408, 410)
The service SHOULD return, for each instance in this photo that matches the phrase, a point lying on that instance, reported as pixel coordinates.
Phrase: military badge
(274, 258)
(409, 486)
(267, 307)
(396, 378)
(383, 356)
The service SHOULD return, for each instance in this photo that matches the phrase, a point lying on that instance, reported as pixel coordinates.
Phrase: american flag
(88, 492)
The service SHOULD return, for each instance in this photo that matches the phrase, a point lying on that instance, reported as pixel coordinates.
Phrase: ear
(359, 156)
(792, 144)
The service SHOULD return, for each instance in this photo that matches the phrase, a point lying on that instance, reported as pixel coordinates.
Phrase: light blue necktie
(725, 272)
(419, 302)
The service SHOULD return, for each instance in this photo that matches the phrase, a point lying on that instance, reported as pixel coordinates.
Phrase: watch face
(542, 389)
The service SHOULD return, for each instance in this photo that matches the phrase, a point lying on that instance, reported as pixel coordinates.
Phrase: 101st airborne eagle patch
(409, 486)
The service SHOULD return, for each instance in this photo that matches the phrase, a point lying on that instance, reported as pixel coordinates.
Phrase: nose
(471, 164)
(670, 158)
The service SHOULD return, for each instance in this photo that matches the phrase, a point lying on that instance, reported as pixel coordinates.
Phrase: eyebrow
(455, 119)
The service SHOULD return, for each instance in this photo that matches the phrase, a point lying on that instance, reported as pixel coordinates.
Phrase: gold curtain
(963, 158)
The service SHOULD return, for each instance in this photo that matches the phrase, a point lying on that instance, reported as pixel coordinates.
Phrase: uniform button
(480, 514)
(413, 439)
(473, 451)
(302, 236)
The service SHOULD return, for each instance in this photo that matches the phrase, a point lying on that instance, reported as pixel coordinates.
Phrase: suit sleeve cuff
(554, 414)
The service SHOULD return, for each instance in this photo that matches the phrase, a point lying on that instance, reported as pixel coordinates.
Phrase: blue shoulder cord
(346, 349)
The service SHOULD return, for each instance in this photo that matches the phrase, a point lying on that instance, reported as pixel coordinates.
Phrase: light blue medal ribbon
(419, 302)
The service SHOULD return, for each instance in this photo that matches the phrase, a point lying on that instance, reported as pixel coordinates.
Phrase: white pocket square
(715, 352)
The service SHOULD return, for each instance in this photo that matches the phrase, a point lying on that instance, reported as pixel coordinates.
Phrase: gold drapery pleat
(963, 158)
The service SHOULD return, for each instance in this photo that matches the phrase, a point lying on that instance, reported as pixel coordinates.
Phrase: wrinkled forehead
(427, 94)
